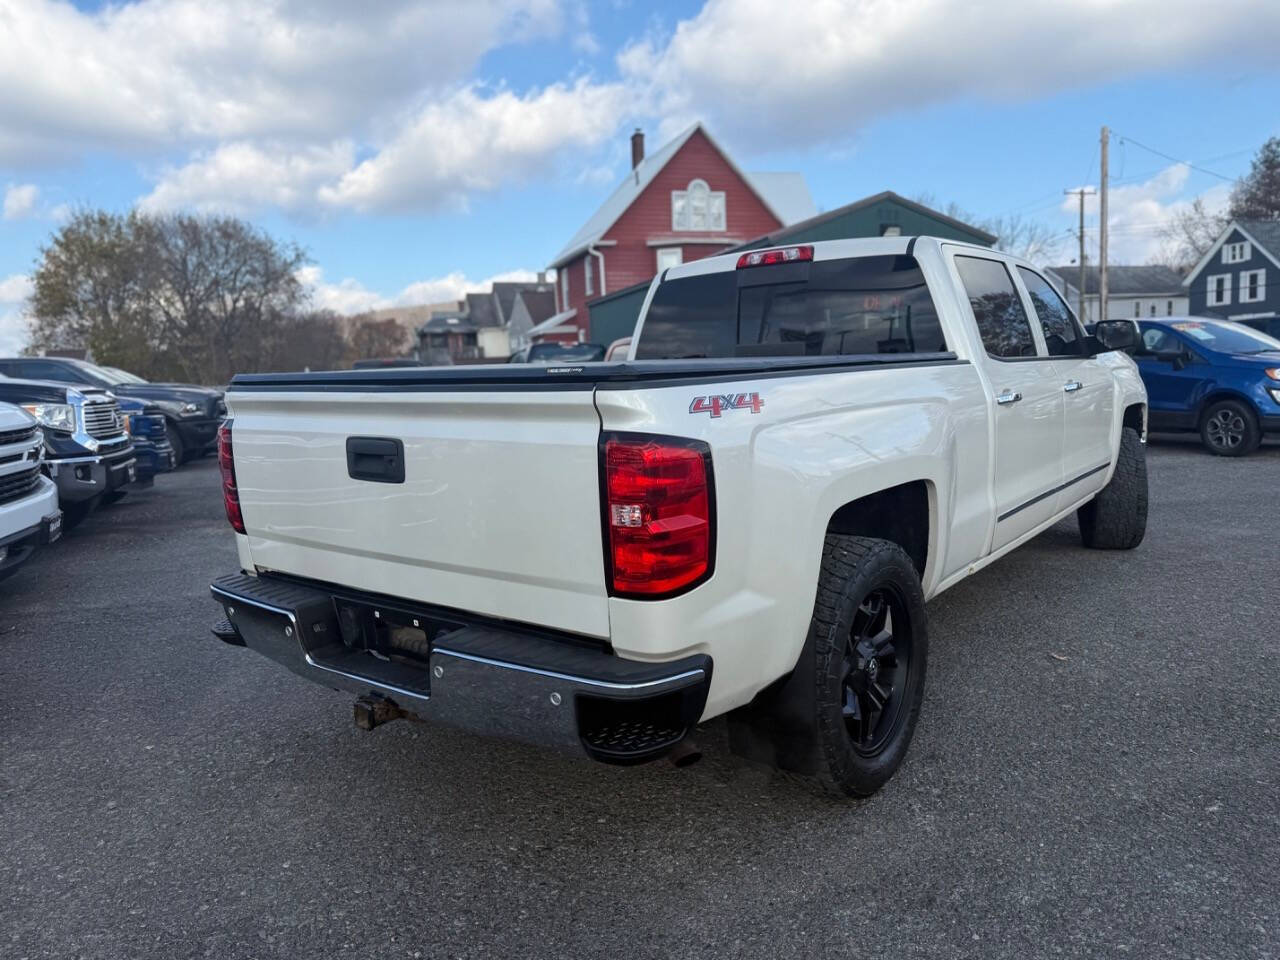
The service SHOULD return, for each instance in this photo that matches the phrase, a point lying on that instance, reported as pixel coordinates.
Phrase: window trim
(1037, 337)
(712, 196)
(1229, 250)
(1261, 274)
(657, 257)
(564, 287)
(588, 286)
(1210, 291)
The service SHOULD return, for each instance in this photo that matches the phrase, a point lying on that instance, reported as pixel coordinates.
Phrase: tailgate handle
(377, 459)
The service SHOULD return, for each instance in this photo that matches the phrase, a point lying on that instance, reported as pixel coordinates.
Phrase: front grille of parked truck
(21, 435)
(102, 419)
(14, 486)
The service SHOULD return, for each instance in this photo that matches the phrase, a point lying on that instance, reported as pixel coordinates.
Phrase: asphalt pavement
(1096, 773)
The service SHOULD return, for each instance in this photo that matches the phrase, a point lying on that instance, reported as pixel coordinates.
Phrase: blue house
(1239, 277)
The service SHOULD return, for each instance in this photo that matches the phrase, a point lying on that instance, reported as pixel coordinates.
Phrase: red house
(687, 201)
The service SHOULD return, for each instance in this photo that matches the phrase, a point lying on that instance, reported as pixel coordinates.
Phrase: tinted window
(1002, 323)
(44, 370)
(1060, 333)
(859, 305)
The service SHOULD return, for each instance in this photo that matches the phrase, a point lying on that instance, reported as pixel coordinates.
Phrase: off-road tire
(854, 568)
(1116, 519)
(1244, 425)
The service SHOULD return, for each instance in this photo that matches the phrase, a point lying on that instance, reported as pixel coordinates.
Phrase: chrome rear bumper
(495, 680)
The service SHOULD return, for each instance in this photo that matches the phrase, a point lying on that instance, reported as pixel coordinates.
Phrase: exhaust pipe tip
(684, 754)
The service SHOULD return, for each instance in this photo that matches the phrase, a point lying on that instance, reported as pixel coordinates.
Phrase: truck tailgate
(498, 512)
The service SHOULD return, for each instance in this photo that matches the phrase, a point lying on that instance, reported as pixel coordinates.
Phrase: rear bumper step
(496, 681)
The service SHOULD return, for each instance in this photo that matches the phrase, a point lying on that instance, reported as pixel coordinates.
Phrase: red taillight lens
(658, 513)
(764, 258)
(227, 464)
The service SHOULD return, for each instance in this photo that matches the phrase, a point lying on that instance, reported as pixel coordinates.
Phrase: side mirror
(1116, 335)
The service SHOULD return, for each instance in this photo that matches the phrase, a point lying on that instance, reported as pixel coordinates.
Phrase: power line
(1127, 139)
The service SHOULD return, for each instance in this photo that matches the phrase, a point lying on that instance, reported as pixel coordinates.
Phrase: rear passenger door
(1088, 396)
(1027, 399)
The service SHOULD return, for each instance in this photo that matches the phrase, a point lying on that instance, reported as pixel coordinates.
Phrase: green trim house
(885, 214)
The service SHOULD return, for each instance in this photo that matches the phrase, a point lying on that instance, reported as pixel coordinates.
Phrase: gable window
(564, 287)
(1218, 290)
(669, 257)
(697, 207)
(1236, 252)
(588, 285)
(1253, 286)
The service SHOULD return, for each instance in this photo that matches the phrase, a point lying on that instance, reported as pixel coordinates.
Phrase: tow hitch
(373, 710)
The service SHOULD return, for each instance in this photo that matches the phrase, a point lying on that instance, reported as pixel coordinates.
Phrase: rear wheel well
(899, 514)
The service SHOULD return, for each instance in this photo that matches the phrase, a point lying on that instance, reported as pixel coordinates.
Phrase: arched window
(697, 207)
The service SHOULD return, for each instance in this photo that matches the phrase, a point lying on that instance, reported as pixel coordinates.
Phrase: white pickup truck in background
(29, 515)
(745, 517)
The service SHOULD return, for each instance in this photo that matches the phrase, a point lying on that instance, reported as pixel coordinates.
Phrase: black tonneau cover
(577, 376)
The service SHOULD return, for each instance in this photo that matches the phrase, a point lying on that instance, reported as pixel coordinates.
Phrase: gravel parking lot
(1096, 773)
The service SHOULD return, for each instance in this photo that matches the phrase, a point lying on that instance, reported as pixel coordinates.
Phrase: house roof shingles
(1123, 280)
(482, 311)
(540, 302)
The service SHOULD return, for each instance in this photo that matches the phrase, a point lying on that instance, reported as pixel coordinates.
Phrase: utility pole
(1102, 229)
(1081, 193)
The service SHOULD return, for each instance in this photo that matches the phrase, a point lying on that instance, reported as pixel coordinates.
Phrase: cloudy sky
(416, 149)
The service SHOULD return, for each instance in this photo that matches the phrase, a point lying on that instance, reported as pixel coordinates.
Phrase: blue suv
(1214, 376)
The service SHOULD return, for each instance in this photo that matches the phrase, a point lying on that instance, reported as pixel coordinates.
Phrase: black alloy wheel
(877, 667)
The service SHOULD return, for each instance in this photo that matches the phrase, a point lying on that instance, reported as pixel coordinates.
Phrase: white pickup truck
(745, 517)
(29, 515)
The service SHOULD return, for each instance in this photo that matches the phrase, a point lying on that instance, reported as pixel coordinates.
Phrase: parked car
(551, 353)
(865, 424)
(29, 515)
(147, 428)
(88, 453)
(192, 413)
(1213, 376)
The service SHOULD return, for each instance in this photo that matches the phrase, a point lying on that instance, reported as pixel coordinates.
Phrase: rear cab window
(844, 307)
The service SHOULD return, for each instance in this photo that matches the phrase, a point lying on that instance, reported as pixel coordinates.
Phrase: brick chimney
(637, 148)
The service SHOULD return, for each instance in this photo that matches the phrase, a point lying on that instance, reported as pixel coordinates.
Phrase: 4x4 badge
(717, 404)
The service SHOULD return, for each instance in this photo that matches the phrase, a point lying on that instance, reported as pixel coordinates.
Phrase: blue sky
(423, 150)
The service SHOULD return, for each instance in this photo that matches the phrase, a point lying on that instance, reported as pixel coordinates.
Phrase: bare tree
(1029, 239)
(370, 338)
(168, 297)
(1188, 235)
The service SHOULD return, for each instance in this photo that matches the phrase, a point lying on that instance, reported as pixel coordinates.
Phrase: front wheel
(1116, 519)
(1229, 429)
(175, 441)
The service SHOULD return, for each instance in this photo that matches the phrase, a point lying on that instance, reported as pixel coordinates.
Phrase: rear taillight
(659, 503)
(227, 464)
(764, 258)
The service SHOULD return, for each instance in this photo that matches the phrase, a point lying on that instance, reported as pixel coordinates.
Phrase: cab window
(997, 308)
(1061, 336)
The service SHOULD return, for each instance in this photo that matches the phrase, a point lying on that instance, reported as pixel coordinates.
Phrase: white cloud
(14, 291)
(1139, 213)
(155, 73)
(820, 75)
(469, 141)
(20, 200)
(242, 177)
(349, 296)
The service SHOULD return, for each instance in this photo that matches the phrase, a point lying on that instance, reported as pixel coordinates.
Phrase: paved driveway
(1096, 773)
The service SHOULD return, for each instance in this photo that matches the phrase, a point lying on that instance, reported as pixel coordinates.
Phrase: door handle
(1072, 386)
(1009, 396)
